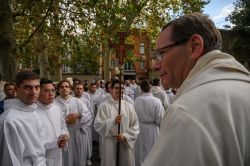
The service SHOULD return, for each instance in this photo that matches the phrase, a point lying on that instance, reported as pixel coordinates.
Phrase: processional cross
(121, 51)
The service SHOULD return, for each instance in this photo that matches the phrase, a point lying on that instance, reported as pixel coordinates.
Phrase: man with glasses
(209, 120)
(21, 130)
(106, 124)
(56, 132)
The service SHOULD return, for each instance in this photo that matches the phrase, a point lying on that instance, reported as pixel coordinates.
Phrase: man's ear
(197, 45)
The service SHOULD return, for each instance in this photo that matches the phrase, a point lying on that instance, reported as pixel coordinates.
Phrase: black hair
(45, 81)
(26, 75)
(156, 82)
(145, 86)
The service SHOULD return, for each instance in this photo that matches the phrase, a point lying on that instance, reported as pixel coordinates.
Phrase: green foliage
(75, 30)
(85, 58)
(130, 57)
(240, 17)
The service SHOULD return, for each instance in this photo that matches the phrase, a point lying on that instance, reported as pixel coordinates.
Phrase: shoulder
(9, 116)
(76, 100)
(86, 94)
(128, 106)
(156, 99)
(55, 106)
(182, 118)
(105, 103)
(57, 102)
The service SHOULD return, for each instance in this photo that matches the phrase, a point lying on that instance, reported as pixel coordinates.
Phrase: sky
(218, 10)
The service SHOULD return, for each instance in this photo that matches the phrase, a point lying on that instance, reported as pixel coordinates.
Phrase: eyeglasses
(49, 91)
(160, 52)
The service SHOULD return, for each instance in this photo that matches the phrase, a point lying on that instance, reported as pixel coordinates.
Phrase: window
(142, 49)
(128, 66)
(142, 64)
(64, 68)
(112, 63)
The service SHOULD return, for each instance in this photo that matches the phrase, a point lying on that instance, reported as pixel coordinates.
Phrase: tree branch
(41, 23)
(70, 11)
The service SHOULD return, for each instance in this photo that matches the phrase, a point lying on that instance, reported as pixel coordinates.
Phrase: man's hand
(62, 140)
(118, 119)
(120, 138)
(71, 118)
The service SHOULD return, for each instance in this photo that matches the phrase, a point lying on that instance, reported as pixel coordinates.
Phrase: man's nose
(34, 90)
(156, 65)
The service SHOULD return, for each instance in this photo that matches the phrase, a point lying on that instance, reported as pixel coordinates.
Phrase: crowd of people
(205, 123)
(43, 123)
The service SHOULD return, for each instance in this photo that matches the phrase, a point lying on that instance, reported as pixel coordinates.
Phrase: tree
(7, 42)
(47, 31)
(240, 17)
(110, 17)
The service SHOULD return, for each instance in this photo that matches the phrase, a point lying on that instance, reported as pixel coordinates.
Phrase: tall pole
(121, 47)
(119, 113)
(121, 56)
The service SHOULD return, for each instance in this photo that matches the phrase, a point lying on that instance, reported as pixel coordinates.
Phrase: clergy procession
(196, 113)
(43, 123)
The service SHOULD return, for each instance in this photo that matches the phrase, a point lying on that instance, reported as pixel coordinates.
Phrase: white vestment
(124, 97)
(99, 90)
(88, 130)
(21, 135)
(95, 101)
(105, 125)
(86, 96)
(137, 91)
(128, 99)
(54, 126)
(129, 91)
(149, 111)
(77, 146)
(208, 123)
(160, 94)
(170, 96)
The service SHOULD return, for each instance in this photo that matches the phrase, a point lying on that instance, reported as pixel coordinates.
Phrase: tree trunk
(58, 69)
(42, 55)
(106, 73)
(7, 42)
(39, 43)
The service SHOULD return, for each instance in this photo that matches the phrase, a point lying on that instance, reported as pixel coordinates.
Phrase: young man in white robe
(208, 123)
(106, 124)
(108, 94)
(10, 93)
(95, 100)
(78, 118)
(150, 112)
(21, 129)
(99, 89)
(136, 88)
(158, 92)
(55, 127)
(129, 90)
(79, 94)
